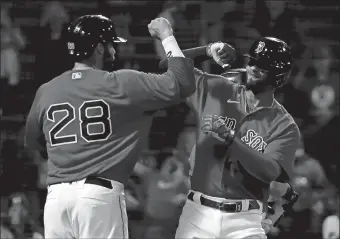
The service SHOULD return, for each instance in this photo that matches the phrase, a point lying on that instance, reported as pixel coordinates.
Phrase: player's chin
(250, 84)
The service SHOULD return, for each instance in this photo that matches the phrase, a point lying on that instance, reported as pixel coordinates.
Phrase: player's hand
(215, 126)
(277, 189)
(222, 53)
(160, 28)
(267, 225)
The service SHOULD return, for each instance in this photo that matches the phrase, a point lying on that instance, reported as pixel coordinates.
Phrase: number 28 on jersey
(83, 119)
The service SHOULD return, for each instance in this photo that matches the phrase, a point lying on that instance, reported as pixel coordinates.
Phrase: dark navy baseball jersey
(94, 122)
(272, 131)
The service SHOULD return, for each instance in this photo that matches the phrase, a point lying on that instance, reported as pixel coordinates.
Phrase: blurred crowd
(33, 52)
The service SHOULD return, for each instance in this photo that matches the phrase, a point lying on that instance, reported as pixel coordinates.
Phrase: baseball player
(246, 141)
(94, 123)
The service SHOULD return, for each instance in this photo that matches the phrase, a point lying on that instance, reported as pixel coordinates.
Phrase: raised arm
(149, 91)
(222, 53)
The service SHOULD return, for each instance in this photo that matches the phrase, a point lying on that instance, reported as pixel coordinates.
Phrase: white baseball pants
(81, 210)
(198, 221)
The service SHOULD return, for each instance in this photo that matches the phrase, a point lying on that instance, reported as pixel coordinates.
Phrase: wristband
(171, 47)
(229, 136)
(208, 50)
(289, 193)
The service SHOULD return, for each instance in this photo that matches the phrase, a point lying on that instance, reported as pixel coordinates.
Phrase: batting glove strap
(291, 198)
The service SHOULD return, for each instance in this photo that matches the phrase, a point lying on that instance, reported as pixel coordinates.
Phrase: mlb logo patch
(76, 75)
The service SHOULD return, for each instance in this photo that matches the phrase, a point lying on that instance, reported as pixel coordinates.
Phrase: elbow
(267, 176)
(188, 91)
(274, 172)
(182, 72)
(190, 87)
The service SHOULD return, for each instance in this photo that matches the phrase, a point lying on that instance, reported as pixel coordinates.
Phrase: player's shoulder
(285, 117)
(122, 75)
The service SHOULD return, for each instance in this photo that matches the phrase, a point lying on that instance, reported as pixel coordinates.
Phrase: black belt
(225, 206)
(96, 181)
(99, 181)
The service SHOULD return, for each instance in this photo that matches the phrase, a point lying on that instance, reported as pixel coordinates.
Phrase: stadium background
(32, 53)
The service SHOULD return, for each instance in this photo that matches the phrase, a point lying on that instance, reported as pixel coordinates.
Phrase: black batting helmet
(273, 55)
(87, 31)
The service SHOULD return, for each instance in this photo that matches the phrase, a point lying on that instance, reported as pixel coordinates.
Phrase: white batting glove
(267, 225)
(222, 53)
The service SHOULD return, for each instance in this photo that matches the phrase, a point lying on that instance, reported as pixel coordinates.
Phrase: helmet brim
(119, 40)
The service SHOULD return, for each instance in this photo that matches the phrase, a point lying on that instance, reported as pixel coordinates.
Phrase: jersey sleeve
(205, 83)
(34, 136)
(156, 91)
(283, 150)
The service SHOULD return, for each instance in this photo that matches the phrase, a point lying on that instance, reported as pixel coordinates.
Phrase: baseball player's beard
(108, 61)
(257, 86)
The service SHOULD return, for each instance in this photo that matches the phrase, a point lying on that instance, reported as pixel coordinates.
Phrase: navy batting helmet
(273, 55)
(87, 31)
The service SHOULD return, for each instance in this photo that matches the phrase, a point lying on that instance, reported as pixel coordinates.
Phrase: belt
(99, 181)
(225, 206)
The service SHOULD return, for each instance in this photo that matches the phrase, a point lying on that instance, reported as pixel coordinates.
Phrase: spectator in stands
(320, 80)
(18, 214)
(5, 232)
(310, 181)
(51, 51)
(186, 140)
(294, 99)
(330, 226)
(12, 41)
(166, 192)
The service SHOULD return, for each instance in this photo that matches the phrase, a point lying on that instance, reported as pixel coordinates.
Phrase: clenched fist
(222, 53)
(160, 28)
(267, 225)
(214, 126)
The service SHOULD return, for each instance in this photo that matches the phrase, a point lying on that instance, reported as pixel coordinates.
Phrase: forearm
(198, 54)
(259, 165)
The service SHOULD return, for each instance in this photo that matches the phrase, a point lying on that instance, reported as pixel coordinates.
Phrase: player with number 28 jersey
(94, 124)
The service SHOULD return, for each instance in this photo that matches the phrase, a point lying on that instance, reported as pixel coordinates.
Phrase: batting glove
(222, 53)
(215, 126)
(267, 225)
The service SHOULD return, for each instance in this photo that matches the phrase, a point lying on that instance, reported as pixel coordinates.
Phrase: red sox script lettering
(229, 122)
(254, 140)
